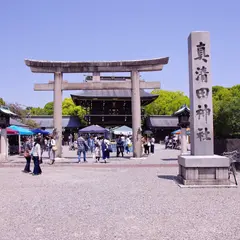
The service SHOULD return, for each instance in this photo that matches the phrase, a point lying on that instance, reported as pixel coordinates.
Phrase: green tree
(167, 102)
(18, 110)
(2, 102)
(31, 123)
(226, 111)
(49, 108)
(35, 111)
(69, 108)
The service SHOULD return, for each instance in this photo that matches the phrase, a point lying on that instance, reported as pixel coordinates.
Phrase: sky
(107, 30)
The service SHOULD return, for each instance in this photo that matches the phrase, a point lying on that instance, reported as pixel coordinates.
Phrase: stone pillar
(136, 114)
(202, 167)
(4, 149)
(57, 118)
(200, 92)
(183, 141)
(96, 76)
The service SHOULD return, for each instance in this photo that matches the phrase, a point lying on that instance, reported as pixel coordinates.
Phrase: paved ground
(129, 203)
(161, 156)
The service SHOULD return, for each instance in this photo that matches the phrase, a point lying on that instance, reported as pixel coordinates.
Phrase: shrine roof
(101, 66)
(5, 110)
(111, 93)
(47, 121)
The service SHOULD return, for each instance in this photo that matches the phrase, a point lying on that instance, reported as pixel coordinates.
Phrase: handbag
(26, 154)
(40, 161)
(109, 148)
(54, 148)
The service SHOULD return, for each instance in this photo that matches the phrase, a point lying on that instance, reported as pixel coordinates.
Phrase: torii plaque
(134, 67)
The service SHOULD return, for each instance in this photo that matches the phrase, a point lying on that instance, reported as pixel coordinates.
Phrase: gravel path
(113, 203)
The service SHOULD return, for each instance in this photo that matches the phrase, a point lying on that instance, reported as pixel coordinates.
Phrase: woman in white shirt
(36, 155)
(53, 149)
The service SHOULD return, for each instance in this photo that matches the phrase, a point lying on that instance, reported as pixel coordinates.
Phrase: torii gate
(58, 85)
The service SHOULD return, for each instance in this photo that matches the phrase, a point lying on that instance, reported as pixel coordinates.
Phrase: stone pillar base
(203, 170)
(3, 157)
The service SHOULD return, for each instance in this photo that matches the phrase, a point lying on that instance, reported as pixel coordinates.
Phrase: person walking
(146, 145)
(91, 144)
(82, 148)
(128, 144)
(27, 155)
(97, 150)
(106, 149)
(120, 146)
(36, 154)
(152, 142)
(53, 149)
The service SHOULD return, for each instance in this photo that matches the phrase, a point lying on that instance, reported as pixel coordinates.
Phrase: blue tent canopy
(93, 129)
(22, 131)
(37, 131)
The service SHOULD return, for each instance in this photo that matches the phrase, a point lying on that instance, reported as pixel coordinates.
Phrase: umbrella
(148, 132)
(37, 131)
(93, 129)
(21, 131)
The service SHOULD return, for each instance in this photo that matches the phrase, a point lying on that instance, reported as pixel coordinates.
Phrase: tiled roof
(111, 93)
(47, 121)
(17, 123)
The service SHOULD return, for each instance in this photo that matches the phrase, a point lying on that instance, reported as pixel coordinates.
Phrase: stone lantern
(183, 115)
(5, 115)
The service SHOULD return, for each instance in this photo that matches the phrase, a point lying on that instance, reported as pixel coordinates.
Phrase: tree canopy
(167, 102)
(68, 108)
(226, 110)
(2, 102)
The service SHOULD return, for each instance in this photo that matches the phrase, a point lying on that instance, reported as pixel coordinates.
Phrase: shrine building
(110, 107)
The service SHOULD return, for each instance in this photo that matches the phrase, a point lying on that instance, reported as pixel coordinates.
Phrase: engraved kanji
(201, 51)
(202, 74)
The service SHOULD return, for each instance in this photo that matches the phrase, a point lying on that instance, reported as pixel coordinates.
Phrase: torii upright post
(57, 115)
(136, 114)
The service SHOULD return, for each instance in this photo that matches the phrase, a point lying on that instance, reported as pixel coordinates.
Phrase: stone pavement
(68, 202)
(161, 157)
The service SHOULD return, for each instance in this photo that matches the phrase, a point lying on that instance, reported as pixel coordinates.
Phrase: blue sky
(77, 30)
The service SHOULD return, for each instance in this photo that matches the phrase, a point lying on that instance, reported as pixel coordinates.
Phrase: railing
(234, 157)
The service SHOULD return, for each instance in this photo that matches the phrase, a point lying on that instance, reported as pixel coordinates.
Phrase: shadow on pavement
(168, 177)
(169, 159)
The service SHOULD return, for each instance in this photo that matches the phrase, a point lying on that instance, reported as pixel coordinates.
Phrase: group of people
(148, 144)
(33, 150)
(172, 142)
(122, 143)
(98, 146)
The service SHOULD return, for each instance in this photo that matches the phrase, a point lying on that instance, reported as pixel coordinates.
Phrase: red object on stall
(10, 131)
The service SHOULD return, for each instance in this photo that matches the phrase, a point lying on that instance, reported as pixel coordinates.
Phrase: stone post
(4, 150)
(200, 86)
(183, 141)
(57, 118)
(136, 114)
(202, 167)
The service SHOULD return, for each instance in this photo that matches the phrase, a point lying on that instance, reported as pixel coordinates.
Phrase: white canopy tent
(123, 130)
